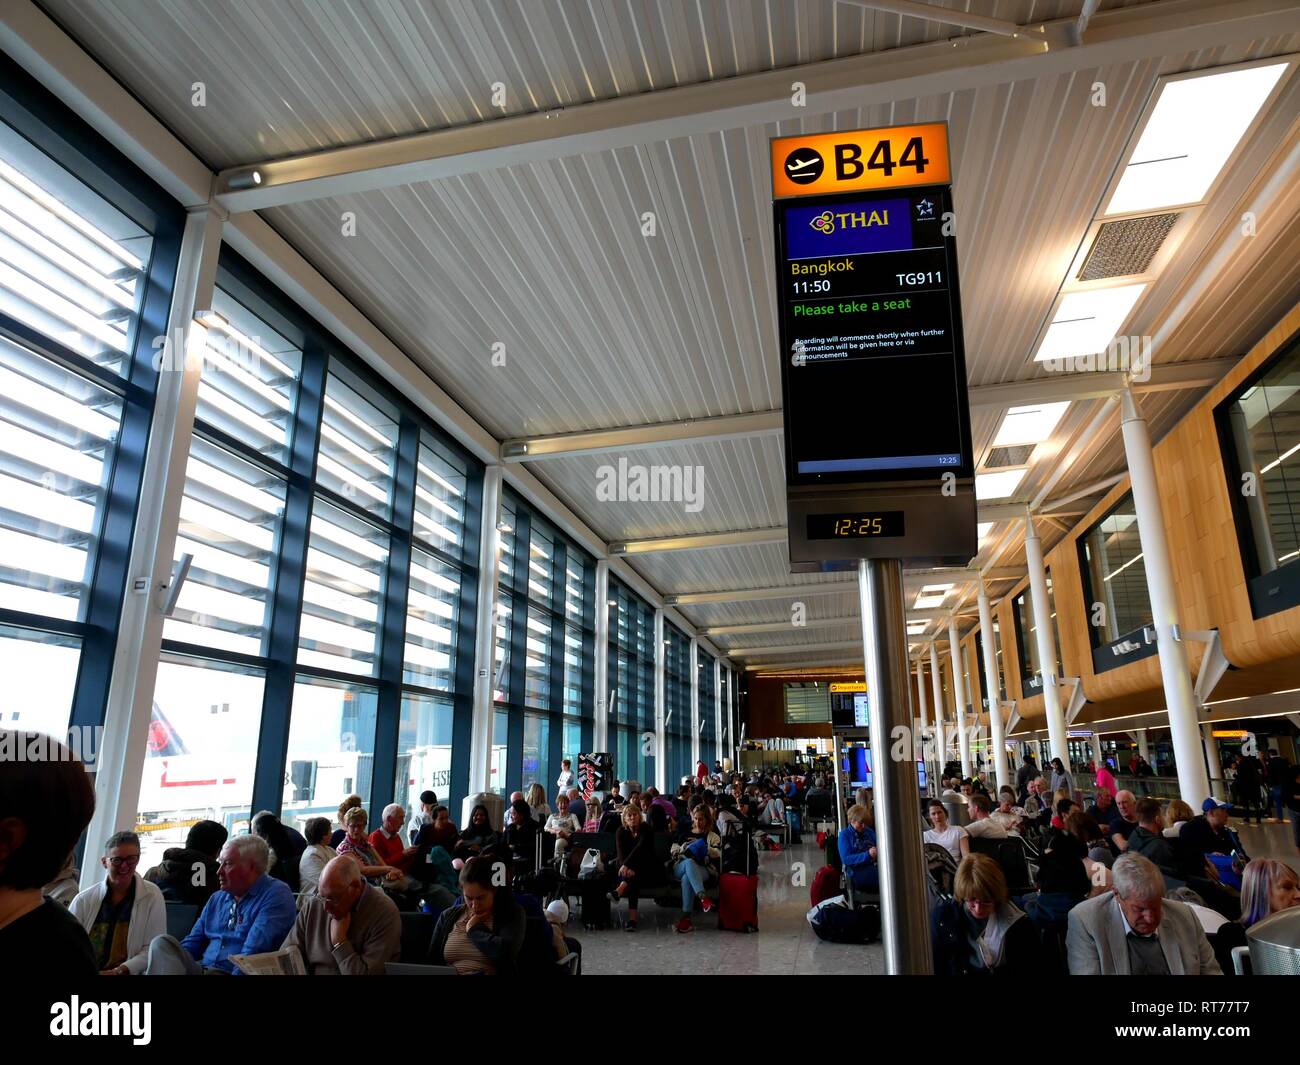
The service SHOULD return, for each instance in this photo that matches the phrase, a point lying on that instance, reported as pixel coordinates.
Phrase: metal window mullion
(392, 618)
(517, 634)
(288, 581)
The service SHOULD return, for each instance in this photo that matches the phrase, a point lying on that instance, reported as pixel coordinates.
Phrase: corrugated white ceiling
(603, 325)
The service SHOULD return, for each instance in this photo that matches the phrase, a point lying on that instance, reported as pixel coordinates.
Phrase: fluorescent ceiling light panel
(1029, 425)
(915, 628)
(929, 602)
(997, 485)
(935, 588)
(982, 529)
(1086, 322)
(1194, 128)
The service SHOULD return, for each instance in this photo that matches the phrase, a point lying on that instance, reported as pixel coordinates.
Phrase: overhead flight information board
(873, 364)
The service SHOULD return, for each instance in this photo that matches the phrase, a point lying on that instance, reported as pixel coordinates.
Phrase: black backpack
(841, 924)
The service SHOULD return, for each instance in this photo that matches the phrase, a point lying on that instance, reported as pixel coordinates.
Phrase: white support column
(923, 700)
(485, 666)
(1096, 748)
(717, 713)
(1175, 671)
(119, 764)
(661, 744)
(959, 696)
(1144, 745)
(940, 730)
(1046, 643)
(695, 702)
(993, 686)
(600, 674)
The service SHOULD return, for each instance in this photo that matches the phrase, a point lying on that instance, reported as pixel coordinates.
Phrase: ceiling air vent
(1008, 456)
(1126, 247)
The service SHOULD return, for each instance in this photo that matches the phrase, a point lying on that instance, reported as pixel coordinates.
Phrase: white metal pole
(695, 702)
(717, 710)
(959, 697)
(119, 761)
(661, 745)
(1175, 672)
(480, 742)
(993, 686)
(940, 730)
(600, 674)
(922, 698)
(1045, 643)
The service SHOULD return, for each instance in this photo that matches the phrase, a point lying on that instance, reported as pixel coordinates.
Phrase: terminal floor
(784, 945)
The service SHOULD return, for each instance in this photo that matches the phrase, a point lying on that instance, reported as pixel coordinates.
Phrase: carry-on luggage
(825, 885)
(738, 884)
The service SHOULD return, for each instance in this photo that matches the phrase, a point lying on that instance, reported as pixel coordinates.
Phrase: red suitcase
(738, 903)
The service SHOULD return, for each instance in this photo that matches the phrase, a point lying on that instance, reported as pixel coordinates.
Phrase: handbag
(592, 866)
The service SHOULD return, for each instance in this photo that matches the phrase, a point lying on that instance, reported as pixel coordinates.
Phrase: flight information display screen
(873, 365)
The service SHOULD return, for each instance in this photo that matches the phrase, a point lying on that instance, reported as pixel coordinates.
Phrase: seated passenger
(482, 934)
(1177, 814)
(634, 862)
(980, 932)
(478, 835)
(1102, 808)
(536, 799)
(1206, 834)
(1064, 875)
(388, 844)
(189, 874)
(953, 838)
(515, 796)
(441, 831)
(727, 815)
(45, 803)
(773, 812)
(67, 884)
(1123, 821)
(348, 928)
(577, 807)
(357, 844)
(857, 845)
(250, 914)
(696, 856)
(1008, 814)
(522, 835)
(1149, 840)
(562, 825)
(615, 797)
(122, 913)
(284, 847)
(982, 824)
(352, 802)
(1267, 887)
(1134, 930)
(428, 804)
(317, 854)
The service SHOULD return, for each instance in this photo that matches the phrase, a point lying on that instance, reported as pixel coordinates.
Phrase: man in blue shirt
(252, 913)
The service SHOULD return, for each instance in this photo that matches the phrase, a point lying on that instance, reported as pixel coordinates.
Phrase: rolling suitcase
(738, 884)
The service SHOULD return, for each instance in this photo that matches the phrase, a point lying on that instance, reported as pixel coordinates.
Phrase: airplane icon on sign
(792, 167)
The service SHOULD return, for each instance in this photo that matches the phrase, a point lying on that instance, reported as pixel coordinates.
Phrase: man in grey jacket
(1135, 931)
(348, 928)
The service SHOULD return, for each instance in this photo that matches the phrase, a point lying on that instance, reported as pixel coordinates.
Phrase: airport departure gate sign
(864, 160)
(873, 366)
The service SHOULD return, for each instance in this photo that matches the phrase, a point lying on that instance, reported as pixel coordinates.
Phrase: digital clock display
(857, 526)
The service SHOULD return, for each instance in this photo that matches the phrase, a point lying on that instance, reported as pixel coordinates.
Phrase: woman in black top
(635, 846)
(521, 836)
(478, 835)
(1063, 879)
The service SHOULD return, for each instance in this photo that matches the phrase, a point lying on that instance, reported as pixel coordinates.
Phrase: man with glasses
(123, 913)
(252, 913)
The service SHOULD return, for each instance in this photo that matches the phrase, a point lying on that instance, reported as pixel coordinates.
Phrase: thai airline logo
(829, 221)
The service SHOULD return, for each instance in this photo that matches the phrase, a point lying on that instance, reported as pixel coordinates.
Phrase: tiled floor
(1268, 841)
(784, 944)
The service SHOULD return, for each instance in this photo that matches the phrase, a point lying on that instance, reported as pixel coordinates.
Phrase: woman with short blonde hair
(980, 932)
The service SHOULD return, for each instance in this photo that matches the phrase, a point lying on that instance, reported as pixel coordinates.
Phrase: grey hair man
(348, 928)
(250, 914)
(1133, 930)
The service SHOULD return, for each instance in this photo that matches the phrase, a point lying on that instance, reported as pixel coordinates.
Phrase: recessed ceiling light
(998, 485)
(1193, 130)
(1029, 425)
(1086, 322)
